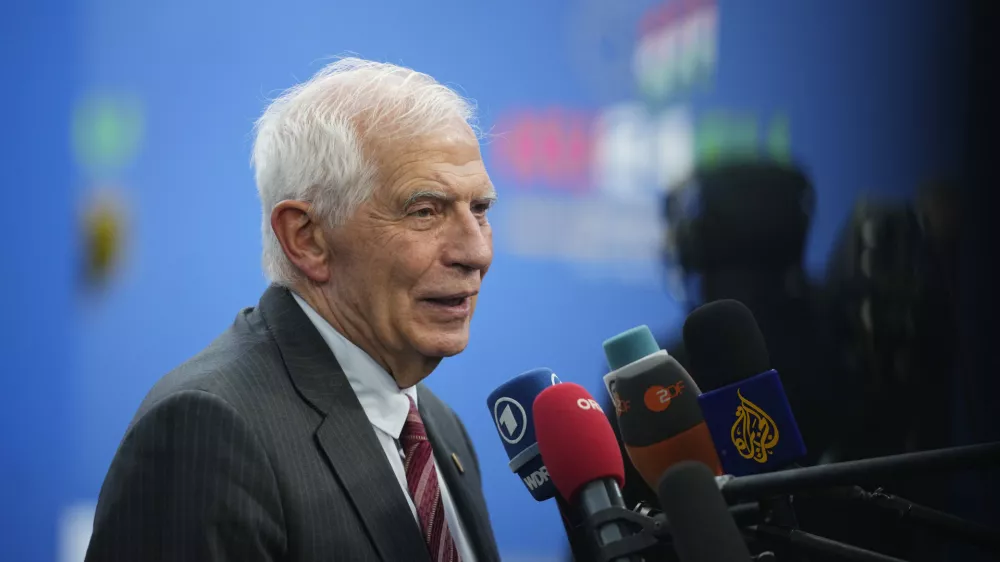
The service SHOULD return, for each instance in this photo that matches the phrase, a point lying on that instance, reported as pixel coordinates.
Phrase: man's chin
(444, 345)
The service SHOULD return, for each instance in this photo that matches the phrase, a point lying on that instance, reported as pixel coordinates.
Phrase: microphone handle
(861, 471)
(578, 545)
(597, 496)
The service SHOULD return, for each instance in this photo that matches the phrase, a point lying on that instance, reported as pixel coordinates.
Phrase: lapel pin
(458, 463)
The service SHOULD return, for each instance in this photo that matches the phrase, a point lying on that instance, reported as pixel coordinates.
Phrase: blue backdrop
(590, 106)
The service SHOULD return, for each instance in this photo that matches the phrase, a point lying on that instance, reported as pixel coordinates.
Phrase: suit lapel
(446, 439)
(345, 435)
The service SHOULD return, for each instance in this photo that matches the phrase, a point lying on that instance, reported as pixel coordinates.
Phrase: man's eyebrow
(427, 194)
(489, 194)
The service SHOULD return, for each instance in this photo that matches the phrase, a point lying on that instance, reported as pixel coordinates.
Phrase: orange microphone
(656, 401)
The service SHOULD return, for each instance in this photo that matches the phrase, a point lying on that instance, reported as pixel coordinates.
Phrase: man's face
(407, 266)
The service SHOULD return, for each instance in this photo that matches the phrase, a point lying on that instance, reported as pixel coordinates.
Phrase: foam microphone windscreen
(701, 526)
(744, 402)
(660, 419)
(510, 404)
(724, 344)
(575, 439)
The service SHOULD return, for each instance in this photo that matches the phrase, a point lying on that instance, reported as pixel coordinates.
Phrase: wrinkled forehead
(442, 182)
(450, 158)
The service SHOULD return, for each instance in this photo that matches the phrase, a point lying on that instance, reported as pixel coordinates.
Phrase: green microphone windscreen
(628, 346)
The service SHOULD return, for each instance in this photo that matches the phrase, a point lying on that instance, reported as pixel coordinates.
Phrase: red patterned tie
(422, 481)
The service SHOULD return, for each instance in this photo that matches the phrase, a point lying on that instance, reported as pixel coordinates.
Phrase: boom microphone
(581, 453)
(511, 407)
(984, 456)
(701, 526)
(745, 407)
(659, 417)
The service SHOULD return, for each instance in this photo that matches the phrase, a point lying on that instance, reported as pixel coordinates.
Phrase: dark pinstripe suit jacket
(257, 449)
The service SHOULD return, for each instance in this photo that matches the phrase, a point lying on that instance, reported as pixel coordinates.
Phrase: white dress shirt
(386, 406)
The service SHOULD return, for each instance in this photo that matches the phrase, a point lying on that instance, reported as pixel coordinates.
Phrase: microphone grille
(628, 346)
(724, 344)
(699, 518)
(575, 439)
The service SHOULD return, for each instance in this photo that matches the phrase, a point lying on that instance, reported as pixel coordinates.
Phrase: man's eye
(481, 208)
(422, 213)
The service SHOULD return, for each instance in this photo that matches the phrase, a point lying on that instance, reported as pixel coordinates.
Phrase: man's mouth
(448, 301)
(453, 301)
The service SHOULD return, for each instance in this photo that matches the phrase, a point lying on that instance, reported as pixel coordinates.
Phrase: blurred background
(826, 163)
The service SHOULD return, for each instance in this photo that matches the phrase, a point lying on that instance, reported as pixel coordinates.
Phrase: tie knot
(413, 428)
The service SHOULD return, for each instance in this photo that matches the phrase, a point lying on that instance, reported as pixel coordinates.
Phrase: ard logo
(754, 433)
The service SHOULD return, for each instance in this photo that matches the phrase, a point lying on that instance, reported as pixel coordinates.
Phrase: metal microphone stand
(749, 488)
(814, 544)
(943, 523)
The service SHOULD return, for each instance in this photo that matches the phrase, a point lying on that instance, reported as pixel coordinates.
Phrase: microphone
(582, 457)
(656, 400)
(836, 476)
(745, 406)
(701, 526)
(510, 404)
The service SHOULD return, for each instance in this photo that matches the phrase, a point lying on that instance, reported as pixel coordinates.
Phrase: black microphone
(744, 404)
(701, 526)
(743, 401)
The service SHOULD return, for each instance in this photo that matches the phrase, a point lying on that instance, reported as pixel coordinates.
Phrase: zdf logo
(588, 404)
(658, 398)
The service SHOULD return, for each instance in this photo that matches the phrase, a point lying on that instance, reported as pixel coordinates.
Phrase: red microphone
(581, 453)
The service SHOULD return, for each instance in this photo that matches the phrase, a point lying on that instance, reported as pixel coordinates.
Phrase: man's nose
(470, 244)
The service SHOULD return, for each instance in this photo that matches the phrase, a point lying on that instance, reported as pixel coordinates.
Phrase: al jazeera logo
(754, 433)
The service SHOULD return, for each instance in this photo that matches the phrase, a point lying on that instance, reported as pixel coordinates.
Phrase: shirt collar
(384, 403)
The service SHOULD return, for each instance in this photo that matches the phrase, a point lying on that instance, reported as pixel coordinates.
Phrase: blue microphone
(510, 405)
(742, 400)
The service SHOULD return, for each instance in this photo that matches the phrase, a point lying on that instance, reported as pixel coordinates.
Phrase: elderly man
(303, 432)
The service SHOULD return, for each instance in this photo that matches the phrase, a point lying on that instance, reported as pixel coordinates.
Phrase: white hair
(314, 142)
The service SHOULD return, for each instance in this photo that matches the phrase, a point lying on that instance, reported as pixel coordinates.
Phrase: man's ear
(301, 239)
